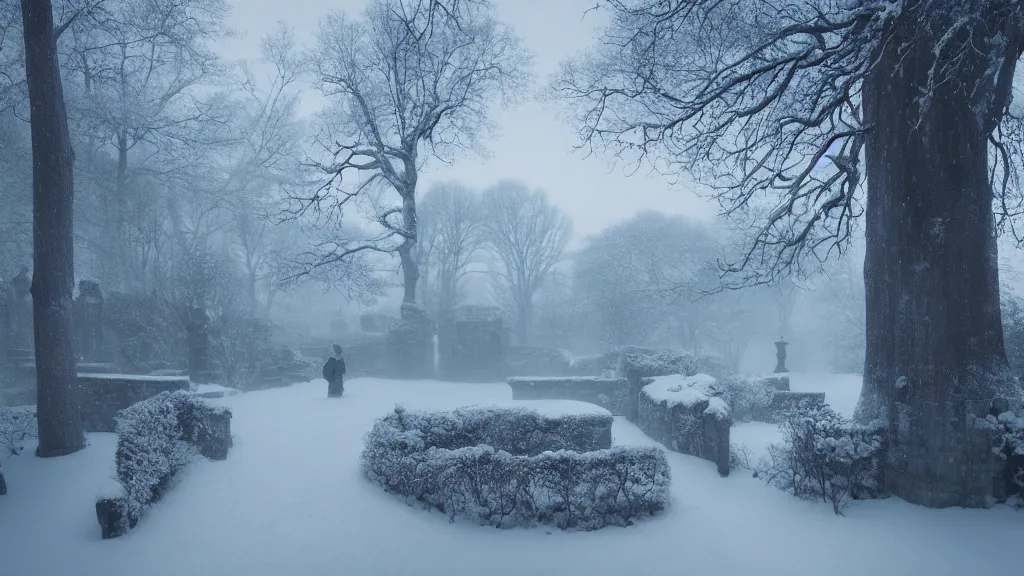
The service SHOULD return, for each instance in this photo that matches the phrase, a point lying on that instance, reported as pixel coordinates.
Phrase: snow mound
(685, 390)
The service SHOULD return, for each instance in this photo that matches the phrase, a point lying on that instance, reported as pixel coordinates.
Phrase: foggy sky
(534, 146)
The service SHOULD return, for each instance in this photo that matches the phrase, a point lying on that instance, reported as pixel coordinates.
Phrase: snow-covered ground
(290, 499)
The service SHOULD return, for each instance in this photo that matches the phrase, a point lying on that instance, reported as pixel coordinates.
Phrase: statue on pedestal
(780, 355)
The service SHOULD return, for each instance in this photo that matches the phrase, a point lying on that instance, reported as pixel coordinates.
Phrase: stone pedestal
(411, 345)
(88, 325)
(471, 344)
(199, 368)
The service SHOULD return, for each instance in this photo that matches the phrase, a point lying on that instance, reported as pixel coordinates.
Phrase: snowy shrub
(598, 365)
(513, 467)
(647, 363)
(1011, 450)
(824, 456)
(749, 399)
(240, 347)
(712, 366)
(16, 426)
(156, 438)
(149, 331)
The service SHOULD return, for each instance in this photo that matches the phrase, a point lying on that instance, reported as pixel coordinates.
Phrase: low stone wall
(104, 395)
(777, 381)
(682, 414)
(611, 394)
(784, 402)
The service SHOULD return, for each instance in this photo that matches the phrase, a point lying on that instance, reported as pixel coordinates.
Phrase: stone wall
(682, 414)
(784, 402)
(638, 365)
(611, 394)
(104, 395)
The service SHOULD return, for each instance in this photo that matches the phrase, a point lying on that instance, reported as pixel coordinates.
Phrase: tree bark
(934, 334)
(406, 252)
(523, 321)
(60, 425)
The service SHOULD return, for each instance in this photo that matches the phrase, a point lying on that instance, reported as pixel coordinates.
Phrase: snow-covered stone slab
(213, 390)
(687, 415)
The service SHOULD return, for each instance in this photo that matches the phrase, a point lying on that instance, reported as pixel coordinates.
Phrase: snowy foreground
(290, 499)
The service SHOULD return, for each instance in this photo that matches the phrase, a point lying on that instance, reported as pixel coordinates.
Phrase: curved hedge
(514, 467)
(156, 439)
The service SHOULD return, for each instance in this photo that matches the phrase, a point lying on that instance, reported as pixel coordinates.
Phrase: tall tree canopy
(408, 80)
(528, 235)
(790, 110)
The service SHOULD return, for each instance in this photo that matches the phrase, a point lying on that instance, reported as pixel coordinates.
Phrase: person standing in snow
(334, 373)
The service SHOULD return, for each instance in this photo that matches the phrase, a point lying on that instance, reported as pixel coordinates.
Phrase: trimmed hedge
(612, 394)
(510, 467)
(639, 365)
(157, 438)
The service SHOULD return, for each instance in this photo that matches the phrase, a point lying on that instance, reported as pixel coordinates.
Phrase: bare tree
(403, 80)
(451, 220)
(637, 273)
(784, 107)
(528, 235)
(60, 424)
(137, 66)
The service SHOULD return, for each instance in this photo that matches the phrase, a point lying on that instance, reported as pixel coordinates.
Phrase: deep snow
(290, 499)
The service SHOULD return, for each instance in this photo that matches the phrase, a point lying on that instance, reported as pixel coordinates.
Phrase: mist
(640, 283)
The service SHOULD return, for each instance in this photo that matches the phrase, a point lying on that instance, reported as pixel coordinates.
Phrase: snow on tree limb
(760, 100)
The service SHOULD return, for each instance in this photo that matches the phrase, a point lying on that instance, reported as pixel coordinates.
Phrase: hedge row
(513, 467)
(157, 438)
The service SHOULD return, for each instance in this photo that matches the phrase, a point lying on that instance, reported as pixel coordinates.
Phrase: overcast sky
(533, 145)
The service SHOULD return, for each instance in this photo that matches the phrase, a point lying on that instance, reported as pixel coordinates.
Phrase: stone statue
(780, 355)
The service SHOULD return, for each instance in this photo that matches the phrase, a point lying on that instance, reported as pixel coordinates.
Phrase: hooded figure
(334, 373)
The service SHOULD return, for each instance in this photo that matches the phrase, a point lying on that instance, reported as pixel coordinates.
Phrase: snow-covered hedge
(1008, 428)
(156, 438)
(638, 362)
(687, 415)
(611, 394)
(510, 467)
(16, 426)
(750, 399)
(825, 456)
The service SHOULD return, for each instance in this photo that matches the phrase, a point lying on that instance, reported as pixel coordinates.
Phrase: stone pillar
(411, 345)
(780, 356)
(22, 335)
(198, 346)
(88, 323)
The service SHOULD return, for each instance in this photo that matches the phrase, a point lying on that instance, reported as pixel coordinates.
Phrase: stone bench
(104, 395)
(611, 394)
(683, 414)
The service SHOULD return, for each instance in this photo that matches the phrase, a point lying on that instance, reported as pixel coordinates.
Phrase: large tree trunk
(934, 335)
(523, 320)
(407, 252)
(60, 425)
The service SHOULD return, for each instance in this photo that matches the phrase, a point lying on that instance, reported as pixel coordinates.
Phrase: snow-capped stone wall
(687, 415)
(104, 395)
(612, 394)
